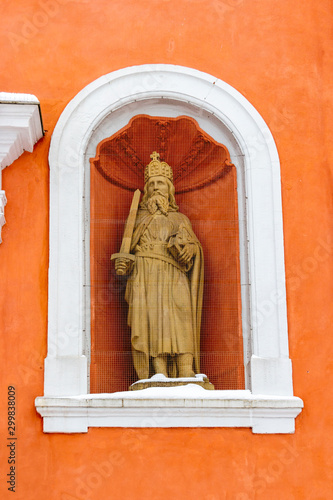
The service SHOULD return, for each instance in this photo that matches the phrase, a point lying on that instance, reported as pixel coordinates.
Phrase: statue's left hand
(186, 253)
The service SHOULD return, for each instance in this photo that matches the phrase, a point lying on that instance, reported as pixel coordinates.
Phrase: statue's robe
(164, 297)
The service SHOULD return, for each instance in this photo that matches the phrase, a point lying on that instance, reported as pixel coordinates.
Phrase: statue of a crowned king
(165, 285)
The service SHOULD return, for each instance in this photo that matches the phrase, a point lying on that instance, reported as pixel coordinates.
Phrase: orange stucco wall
(279, 55)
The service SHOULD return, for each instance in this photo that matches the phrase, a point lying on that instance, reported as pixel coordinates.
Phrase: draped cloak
(164, 297)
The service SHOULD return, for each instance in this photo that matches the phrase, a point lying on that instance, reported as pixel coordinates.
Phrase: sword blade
(130, 223)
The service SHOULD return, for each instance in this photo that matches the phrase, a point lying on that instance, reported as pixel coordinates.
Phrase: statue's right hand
(123, 266)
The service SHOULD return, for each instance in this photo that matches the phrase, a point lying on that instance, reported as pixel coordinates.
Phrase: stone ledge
(264, 414)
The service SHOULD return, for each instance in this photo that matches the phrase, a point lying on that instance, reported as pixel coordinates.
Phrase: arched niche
(98, 112)
(206, 191)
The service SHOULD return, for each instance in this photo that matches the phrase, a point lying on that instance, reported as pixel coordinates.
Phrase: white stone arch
(98, 111)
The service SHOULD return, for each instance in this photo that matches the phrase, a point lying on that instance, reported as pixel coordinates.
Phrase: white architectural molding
(98, 111)
(187, 406)
(20, 128)
(3, 201)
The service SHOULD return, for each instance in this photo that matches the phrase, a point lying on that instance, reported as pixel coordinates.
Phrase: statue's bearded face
(158, 194)
(157, 185)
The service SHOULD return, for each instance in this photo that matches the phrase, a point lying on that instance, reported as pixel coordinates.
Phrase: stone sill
(264, 414)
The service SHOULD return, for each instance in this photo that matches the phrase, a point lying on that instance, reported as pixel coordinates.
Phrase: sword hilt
(122, 255)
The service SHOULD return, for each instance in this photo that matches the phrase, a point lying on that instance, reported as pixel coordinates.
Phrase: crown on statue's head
(158, 167)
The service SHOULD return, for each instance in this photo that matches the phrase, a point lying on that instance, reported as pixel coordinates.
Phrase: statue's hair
(172, 201)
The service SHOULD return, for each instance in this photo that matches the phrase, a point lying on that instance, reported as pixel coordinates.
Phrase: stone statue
(165, 285)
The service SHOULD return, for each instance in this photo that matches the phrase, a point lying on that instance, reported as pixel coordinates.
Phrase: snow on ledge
(190, 391)
(14, 98)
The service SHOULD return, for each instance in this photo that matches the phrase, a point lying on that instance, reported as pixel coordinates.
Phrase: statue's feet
(160, 365)
(185, 365)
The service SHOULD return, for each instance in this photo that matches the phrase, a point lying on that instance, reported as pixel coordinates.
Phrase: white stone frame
(98, 111)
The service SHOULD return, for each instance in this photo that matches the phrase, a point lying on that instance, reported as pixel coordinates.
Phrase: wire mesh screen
(212, 210)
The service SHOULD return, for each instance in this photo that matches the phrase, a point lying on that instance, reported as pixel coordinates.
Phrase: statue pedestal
(160, 380)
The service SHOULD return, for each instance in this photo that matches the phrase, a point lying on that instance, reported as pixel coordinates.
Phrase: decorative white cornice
(20, 128)
(3, 201)
(20, 125)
